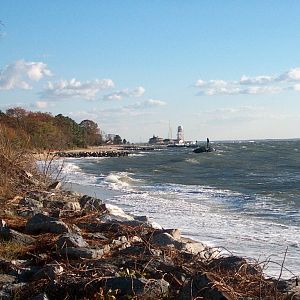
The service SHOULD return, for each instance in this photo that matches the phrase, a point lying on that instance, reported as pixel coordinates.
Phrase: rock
(71, 240)
(97, 236)
(49, 271)
(201, 287)
(30, 212)
(117, 213)
(165, 239)
(175, 233)
(139, 287)
(205, 252)
(146, 221)
(235, 264)
(12, 235)
(72, 205)
(89, 203)
(18, 237)
(41, 223)
(77, 253)
(54, 204)
(55, 185)
(31, 203)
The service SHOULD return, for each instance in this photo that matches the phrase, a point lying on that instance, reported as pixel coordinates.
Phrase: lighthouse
(180, 136)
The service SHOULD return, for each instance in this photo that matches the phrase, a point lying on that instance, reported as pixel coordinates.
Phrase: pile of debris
(62, 245)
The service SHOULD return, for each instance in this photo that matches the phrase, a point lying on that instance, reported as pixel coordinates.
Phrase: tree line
(39, 130)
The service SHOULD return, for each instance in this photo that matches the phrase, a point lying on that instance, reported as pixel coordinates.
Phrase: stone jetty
(78, 154)
(63, 245)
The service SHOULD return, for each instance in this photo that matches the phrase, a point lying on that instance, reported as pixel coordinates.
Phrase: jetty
(80, 154)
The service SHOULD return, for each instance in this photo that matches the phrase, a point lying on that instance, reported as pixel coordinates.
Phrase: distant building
(156, 140)
(110, 137)
(180, 135)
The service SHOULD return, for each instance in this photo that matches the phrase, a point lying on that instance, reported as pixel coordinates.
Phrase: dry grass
(16, 165)
(10, 250)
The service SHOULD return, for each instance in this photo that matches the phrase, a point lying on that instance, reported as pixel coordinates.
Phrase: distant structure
(156, 140)
(170, 132)
(180, 135)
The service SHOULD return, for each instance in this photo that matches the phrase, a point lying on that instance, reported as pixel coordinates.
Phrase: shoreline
(63, 241)
(274, 268)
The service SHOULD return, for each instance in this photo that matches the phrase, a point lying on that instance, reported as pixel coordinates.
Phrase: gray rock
(71, 240)
(165, 239)
(54, 204)
(140, 287)
(30, 212)
(175, 233)
(41, 223)
(146, 221)
(31, 203)
(89, 203)
(12, 235)
(97, 235)
(72, 205)
(77, 253)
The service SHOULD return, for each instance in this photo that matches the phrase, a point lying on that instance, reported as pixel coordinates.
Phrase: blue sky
(222, 69)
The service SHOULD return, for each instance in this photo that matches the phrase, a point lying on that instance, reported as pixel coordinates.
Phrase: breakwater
(79, 154)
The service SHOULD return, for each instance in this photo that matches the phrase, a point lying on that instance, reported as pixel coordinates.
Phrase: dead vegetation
(17, 165)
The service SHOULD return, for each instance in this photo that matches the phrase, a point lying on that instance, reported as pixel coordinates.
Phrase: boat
(202, 149)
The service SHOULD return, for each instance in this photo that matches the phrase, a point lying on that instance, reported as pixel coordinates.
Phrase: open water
(244, 197)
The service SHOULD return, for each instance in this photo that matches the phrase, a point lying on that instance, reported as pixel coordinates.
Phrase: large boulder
(12, 235)
(41, 223)
(71, 240)
(77, 253)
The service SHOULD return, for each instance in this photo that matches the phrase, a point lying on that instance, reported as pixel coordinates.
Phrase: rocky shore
(57, 244)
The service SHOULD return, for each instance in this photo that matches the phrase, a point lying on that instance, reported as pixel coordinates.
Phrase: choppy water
(244, 197)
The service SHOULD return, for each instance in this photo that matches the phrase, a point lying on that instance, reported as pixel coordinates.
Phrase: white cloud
(263, 84)
(20, 73)
(262, 90)
(147, 104)
(296, 87)
(119, 95)
(73, 88)
(255, 80)
(291, 75)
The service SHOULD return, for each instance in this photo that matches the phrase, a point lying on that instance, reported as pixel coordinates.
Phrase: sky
(227, 70)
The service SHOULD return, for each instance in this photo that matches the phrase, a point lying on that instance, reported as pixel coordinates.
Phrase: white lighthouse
(180, 136)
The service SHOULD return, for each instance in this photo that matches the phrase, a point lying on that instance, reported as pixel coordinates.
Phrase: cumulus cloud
(19, 74)
(73, 88)
(256, 80)
(126, 93)
(263, 84)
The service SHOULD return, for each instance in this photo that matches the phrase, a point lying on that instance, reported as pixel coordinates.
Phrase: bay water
(243, 198)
